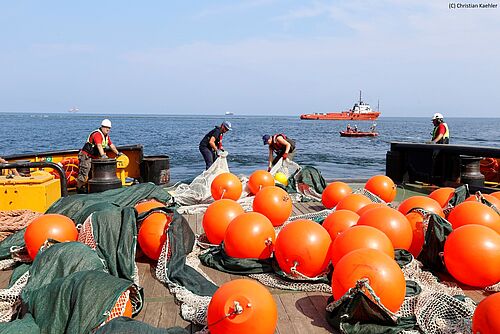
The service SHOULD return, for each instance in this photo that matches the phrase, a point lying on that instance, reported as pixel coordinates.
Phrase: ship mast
(360, 98)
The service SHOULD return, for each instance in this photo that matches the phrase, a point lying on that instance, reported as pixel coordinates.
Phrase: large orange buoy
(128, 309)
(250, 236)
(303, 245)
(353, 202)
(492, 199)
(370, 206)
(226, 185)
(422, 202)
(496, 194)
(392, 222)
(242, 306)
(260, 179)
(472, 255)
(334, 192)
(474, 213)
(148, 205)
(217, 218)
(358, 237)
(385, 277)
(274, 203)
(416, 221)
(339, 221)
(485, 319)
(442, 195)
(48, 226)
(382, 186)
(152, 234)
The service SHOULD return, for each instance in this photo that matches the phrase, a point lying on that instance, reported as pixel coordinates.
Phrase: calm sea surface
(318, 142)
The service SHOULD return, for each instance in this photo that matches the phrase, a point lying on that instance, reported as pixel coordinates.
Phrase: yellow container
(36, 192)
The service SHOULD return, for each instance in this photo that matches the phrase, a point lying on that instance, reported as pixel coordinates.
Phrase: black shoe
(81, 190)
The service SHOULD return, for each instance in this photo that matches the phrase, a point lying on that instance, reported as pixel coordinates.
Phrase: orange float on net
(242, 306)
(260, 179)
(339, 221)
(304, 246)
(274, 203)
(392, 222)
(152, 234)
(128, 309)
(370, 206)
(472, 255)
(334, 192)
(250, 236)
(422, 202)
(382, 186)
(492, 199)
(383, 273)
(496, 194)
(148, 205)
(217, 218)
(467, 213)
(353, 202)
(226, 185)
(48, 226)
(416, 221)
(485, 319)
(442, 195)
(358, 237)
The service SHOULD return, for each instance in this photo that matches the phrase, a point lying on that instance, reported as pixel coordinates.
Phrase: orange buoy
(416, 221)
(217, 218)
(392, 222)
(334, 192)
(496, 194)
(472, 255)
(474, 213)
(339, 221)
(492, 199)
(242, 306)
(385, 277)
(358, 237)
(152, 234)
(485, 319)
(48, 226)
(226, 185)
(250, 236)
(260, 179)
(382, 186)
(422, 202)
(128, 309)
(370, 206)
(303, 245)
(442, 195)
(274, 203)
(353, 202)
(148, 205)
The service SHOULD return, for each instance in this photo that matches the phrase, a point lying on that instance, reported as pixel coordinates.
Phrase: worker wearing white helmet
(97, 143)
(441, 132)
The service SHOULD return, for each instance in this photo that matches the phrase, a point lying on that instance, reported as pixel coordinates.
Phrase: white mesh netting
(10, 299)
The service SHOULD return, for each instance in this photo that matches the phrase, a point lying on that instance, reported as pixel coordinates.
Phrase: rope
(13, 221)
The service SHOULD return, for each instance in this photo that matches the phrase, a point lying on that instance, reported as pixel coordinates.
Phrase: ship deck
(298, 312)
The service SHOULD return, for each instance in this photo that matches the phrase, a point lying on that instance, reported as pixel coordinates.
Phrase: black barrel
(156, 169)
(471, 173)
(103, 176)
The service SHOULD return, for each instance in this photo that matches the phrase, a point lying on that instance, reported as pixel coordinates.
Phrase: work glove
(268, 169)
(218, 152)
(104, 156)
(285, 155)
(119, 154)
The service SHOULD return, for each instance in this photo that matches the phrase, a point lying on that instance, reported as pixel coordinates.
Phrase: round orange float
(442, 195)
(370, 206)
(353, 202)
(422, 202)
(305, 245)
(339, 221)
(474, 213)
(472, 255)
(496, 194)
(485, 319)
(250, 236)
(226, 185)
(260, 179)
(492, 199)
(416, 221)
(385, 277)
(152, 234)
(334, 192)
(392, 222)
(128, 309)
(274, 203)
(358, 237)
(48, 226)
(242, 306)
(148, 205)
(217, 218)
(382, 186)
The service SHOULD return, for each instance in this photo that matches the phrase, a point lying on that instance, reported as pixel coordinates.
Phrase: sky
(255, 57)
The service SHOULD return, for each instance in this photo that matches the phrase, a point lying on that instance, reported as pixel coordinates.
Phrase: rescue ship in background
(360, 111)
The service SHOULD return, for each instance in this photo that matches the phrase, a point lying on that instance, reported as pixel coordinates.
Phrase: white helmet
(106, 123)
(437, 116)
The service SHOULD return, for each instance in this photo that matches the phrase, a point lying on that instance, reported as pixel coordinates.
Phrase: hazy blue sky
(256, 57)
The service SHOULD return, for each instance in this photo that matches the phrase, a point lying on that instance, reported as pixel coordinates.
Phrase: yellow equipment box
(36, 192)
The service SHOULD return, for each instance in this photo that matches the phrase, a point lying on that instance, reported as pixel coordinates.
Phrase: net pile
(15, 220)
(10, 299)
